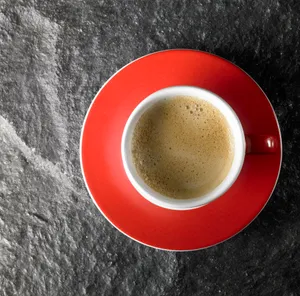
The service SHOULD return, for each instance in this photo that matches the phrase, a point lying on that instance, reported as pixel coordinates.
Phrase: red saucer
(105, 177)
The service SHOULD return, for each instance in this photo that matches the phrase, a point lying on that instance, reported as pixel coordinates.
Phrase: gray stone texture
(54, 56)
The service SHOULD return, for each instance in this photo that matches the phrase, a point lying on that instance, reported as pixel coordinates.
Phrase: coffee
(182, 147)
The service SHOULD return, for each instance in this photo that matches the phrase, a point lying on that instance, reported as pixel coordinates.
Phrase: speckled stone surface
(54, 56)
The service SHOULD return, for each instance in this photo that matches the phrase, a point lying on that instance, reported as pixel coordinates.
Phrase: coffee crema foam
(182, 147)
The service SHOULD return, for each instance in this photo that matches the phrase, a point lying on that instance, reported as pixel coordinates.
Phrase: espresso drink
(182, 147)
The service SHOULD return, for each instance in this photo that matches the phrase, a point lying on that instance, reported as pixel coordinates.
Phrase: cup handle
(261, 144)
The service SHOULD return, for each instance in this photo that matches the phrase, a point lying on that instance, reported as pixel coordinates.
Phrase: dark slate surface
(54, 56)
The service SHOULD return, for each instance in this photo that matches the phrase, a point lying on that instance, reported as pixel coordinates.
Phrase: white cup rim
(239, 148)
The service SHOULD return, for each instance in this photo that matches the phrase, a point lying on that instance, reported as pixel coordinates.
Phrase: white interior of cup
(238, 144)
